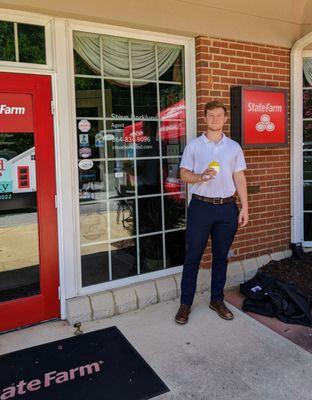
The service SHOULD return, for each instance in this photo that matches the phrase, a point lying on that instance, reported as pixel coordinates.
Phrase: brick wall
(221, 64)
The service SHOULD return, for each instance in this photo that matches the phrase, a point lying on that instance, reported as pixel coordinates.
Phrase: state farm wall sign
(16, 113)
(259, 116)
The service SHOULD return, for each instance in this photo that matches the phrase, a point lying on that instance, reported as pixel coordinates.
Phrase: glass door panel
(19, 247)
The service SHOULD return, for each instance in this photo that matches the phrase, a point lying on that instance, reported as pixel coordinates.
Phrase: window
(130, 109)
(22, 42)
(23, 177)
(307, 148)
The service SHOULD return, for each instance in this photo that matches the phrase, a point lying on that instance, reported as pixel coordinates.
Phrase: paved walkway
(207, 359)
(299, 334)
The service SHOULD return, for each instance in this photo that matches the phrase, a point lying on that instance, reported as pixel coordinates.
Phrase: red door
(28, 225)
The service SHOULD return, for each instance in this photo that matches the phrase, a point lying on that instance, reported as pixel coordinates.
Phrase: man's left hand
(243, 217)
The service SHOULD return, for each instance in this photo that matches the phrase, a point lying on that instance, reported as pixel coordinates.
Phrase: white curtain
(307, 69)
(115, 52)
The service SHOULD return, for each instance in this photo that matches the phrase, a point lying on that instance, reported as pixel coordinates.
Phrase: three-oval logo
(265, 124)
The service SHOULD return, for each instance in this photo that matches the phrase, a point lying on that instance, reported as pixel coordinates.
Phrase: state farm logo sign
(265, 124)
(48, 379)
(264, 116)
(16, 112)
(4, 109)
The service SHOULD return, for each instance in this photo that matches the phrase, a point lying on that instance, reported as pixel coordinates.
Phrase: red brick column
(221, 64)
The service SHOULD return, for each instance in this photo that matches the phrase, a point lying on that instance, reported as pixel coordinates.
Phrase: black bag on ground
(257, 287)
(268, 296)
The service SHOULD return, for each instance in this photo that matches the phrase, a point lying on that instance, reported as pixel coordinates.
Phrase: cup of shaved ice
(215, 165)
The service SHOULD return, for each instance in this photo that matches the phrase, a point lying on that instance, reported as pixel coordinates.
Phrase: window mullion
(134, 163)
(16, 42)
(161, 163)
(110, 269)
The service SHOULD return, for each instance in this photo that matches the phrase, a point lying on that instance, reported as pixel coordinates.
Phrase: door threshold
(29, 326)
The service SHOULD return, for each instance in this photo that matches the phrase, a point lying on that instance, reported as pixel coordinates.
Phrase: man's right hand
(188, 176)
(208, 174)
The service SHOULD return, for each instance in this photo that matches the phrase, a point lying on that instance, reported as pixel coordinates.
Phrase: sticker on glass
(85, 152)
(84, 125)
(99, 140)
(85, 164)
(109, 137)
(83, 140)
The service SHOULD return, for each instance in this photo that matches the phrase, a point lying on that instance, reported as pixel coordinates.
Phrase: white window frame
(73, 270)
(305, 53)
(297, 54)
(32, 19)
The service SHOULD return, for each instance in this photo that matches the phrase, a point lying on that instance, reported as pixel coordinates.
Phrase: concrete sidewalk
(209, 358)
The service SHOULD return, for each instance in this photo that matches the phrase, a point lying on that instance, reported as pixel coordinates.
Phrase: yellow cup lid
(214, 164)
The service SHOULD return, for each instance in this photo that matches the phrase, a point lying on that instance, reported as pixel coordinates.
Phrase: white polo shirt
(201, 151)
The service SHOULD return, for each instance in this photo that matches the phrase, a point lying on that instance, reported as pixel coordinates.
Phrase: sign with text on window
(172, 125)
(259, 116)
(16, 113)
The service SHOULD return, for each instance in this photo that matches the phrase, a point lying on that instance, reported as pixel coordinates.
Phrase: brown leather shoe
(221, 309)
(182, 315)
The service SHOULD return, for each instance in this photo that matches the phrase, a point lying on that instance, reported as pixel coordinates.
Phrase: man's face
(215, 119)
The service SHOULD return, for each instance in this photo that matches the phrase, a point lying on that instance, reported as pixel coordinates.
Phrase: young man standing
(214, 164)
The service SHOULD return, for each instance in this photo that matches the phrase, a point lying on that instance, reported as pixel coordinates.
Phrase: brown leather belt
(214, 200)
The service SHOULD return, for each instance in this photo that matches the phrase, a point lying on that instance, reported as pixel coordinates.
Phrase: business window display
(130, 110)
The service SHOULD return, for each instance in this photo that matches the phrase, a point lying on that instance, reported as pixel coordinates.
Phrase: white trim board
(296, 159)
(131, 280)
(33, 19)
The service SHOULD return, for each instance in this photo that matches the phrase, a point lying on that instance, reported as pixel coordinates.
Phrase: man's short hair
(211, 105)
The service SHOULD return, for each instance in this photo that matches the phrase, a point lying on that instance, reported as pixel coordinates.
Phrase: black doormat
(100, 365)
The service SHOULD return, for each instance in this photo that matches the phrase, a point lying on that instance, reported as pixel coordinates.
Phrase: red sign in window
(259, 116)
(23, 177)
(16, 112)
(172, 125)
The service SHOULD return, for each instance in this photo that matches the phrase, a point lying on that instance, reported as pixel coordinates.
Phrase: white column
(66, 169)
(296, 135)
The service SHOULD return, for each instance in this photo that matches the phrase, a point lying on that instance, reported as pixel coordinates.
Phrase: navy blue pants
(204, 219)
